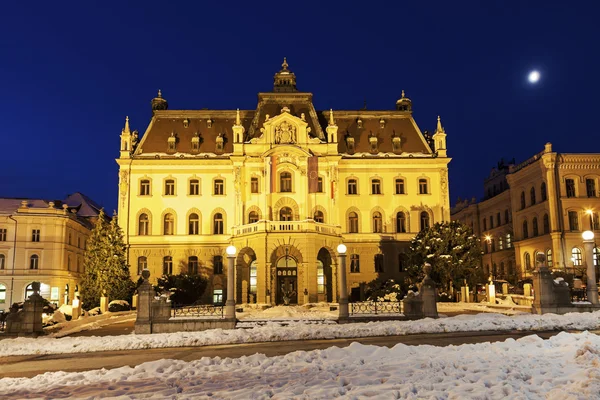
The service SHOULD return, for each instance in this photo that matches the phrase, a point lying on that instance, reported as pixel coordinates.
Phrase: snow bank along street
(301, 331)
(563, 367)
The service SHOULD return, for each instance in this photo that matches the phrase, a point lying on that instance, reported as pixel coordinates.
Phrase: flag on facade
(313, 174)
(273, 174)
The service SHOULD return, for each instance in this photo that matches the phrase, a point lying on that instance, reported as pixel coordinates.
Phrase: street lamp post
(343, 302)
(592, 287)
(488, 239)
(230, 301)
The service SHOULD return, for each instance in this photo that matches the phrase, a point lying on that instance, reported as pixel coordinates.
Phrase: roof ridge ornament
(285, 65)
(237, 117)
(331, 120)
(126, 128)
(440, 128)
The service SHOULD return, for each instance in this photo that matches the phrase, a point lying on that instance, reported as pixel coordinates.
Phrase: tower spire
(237, 117)
(439, 128)
(331, 120)
(285, 80)
(126, 128)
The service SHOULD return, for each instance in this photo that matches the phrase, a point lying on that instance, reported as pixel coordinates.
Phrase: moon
(534, 76)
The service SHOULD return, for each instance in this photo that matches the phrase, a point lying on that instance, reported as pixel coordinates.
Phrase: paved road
(28, 366)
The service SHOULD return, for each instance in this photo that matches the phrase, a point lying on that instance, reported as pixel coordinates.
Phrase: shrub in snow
(94, 311)
(385, 290)
(182, 289)
(118, 305)
(445, 297)
(57, 318)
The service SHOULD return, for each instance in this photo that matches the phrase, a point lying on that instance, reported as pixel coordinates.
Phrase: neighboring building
(554, 198)
(43, 241)
(285, 184)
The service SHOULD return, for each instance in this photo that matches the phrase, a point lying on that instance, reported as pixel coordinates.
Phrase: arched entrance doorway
(287, 280)
(324, 276)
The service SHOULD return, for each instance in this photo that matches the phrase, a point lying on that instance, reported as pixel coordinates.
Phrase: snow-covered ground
(483, 307)
(313, 312)
(301, 331)
(89, 323)
(563, 367)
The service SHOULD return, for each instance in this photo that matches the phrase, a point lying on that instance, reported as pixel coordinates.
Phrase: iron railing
(376, 307)
(201, 310)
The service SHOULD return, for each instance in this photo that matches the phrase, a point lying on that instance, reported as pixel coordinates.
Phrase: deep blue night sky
(70, 75)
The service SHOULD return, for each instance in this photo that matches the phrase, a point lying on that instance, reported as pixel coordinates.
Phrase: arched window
(377, 222)
(194, 224)
(532, 195)
(319, 217)
(576, 257)
(522, 200)
(534, 226)
(320, 277)
(543, 194)
(142, 264)
(400, 222)
(252, 217)
(424, 220)
(525, 230)
(253, 277)
(354, 263)
(167, 265)
(353, 222)
(549, 258)
(34, 262)
(218, 224)
(143, 225)
(285, 182)
(169, 224)
(192, 265)
(285, 214)
(527, 261)
(2, 261)
(546, 222)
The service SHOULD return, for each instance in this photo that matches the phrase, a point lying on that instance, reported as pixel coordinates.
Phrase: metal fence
(376, 307)
(202, 310)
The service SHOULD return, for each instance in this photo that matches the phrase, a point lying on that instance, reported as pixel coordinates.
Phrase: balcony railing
(306, 226)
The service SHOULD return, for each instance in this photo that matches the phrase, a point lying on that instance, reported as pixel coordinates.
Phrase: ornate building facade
(43, 241)
(285, 184)
(552, 197)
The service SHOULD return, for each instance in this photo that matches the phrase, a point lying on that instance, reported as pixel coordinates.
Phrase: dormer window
(196, 143)
(382, 123)
(171, 142)
(359, 123)
(209, 123)
(373, 143)
(350, 144)
(219, 143)
(186, 123)
(396, 144)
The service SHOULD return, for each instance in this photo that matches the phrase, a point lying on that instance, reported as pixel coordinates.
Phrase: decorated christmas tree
(453, 252)
(105, 264)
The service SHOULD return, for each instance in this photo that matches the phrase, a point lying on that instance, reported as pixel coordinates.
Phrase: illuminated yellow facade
(552, 198)
(285, 184)
(43, 241)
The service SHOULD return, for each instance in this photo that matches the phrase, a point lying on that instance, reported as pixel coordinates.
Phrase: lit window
(194, 187)
(549, 258)
(508, 241)
(320, 277)
(218, 296)
(253, 277)
(576, 257)
(145, 187)
(595, 256)
(2, 294)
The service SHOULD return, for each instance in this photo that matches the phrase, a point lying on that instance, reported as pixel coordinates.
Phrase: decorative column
(343, 303)
(592, 287)
(230, 301)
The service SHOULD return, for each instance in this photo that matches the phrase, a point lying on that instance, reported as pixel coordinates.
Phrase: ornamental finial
(285, 64)
(237, 117)
(126, 129)
(439, 128)
(331, 120)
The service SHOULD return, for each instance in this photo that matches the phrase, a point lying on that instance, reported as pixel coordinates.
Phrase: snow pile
(301, 331)
(313, 311)
(563, 367)
(66, 328)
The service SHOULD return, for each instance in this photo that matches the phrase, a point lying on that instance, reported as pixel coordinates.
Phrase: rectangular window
(573, 221)
(352, 186)
(354, 264)
(254, 185)
(590, 186)
(491, 222)
(194, 187)
(54, 294)
(484, 224)
(570, 185)
(218, 265)
(320, 185)
(3, 235)
(595, 223)
(379, 263)
(423, 186)
(218, 296)
(285, 182)
(506, 217)
(169, 187)
(375, 186)
(498, 222)
(399, 186)
(253, 277)
(35, 235)
(219, 189)
(145, 187)
(320, 278)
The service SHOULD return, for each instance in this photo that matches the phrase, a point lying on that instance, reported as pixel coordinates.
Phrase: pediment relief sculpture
(285, 133)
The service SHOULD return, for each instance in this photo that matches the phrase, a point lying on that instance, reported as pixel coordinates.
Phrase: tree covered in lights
(453, 252)
(105, 266)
